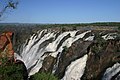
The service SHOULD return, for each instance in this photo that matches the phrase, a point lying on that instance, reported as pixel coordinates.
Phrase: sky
(64, 11)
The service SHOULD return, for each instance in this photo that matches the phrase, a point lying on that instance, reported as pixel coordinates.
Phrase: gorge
(72, 54)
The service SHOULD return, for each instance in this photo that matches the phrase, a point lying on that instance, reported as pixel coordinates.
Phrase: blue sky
(64, 11)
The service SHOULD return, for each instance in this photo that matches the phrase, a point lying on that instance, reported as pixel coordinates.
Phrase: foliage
(119, 28)
(99, 44)
(11, 71)
(65, 49)
(43, 76)
(10, 4)
(118, 35)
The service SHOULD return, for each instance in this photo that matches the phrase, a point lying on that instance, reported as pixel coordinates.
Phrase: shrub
(11, 71)
(99, 45)
(43, 76)
(119, 28)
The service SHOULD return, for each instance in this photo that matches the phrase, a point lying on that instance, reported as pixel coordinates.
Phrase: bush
(99, 45)
(11, 71)
(43, 76)
(119, 28)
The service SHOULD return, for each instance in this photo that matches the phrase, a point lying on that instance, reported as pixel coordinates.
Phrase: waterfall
(45, 43)
(111, 71)
(76, 69)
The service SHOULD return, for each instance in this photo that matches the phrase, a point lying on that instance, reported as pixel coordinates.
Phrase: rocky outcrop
(48, 64)
(9, 68)
(99, 61)
(73, 53)
(6, 48)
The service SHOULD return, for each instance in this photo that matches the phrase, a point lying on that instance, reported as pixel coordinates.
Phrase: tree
(7, 4)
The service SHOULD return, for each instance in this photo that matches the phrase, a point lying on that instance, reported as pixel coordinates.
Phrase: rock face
(76, 69)
(105, 57)
(76, 51)
(6, 48)
(71, 55)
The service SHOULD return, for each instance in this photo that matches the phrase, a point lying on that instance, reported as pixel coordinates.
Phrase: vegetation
(10, 70)
(99, 44)
(119, 28)
(65, 49)
(118, 35)
(43, 76)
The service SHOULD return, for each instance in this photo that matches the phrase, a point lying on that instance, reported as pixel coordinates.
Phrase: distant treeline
(110, 24)
(59, 25)
(91, 24)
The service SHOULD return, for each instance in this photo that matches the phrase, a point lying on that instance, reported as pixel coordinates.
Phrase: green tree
(7, 4)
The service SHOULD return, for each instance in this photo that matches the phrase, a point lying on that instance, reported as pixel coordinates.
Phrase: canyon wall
(78, 54)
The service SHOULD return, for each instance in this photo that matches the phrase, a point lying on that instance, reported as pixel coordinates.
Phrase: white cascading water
(76, 69)
(110, 72)
(33, 55)
(109, 36)
(90, 38)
